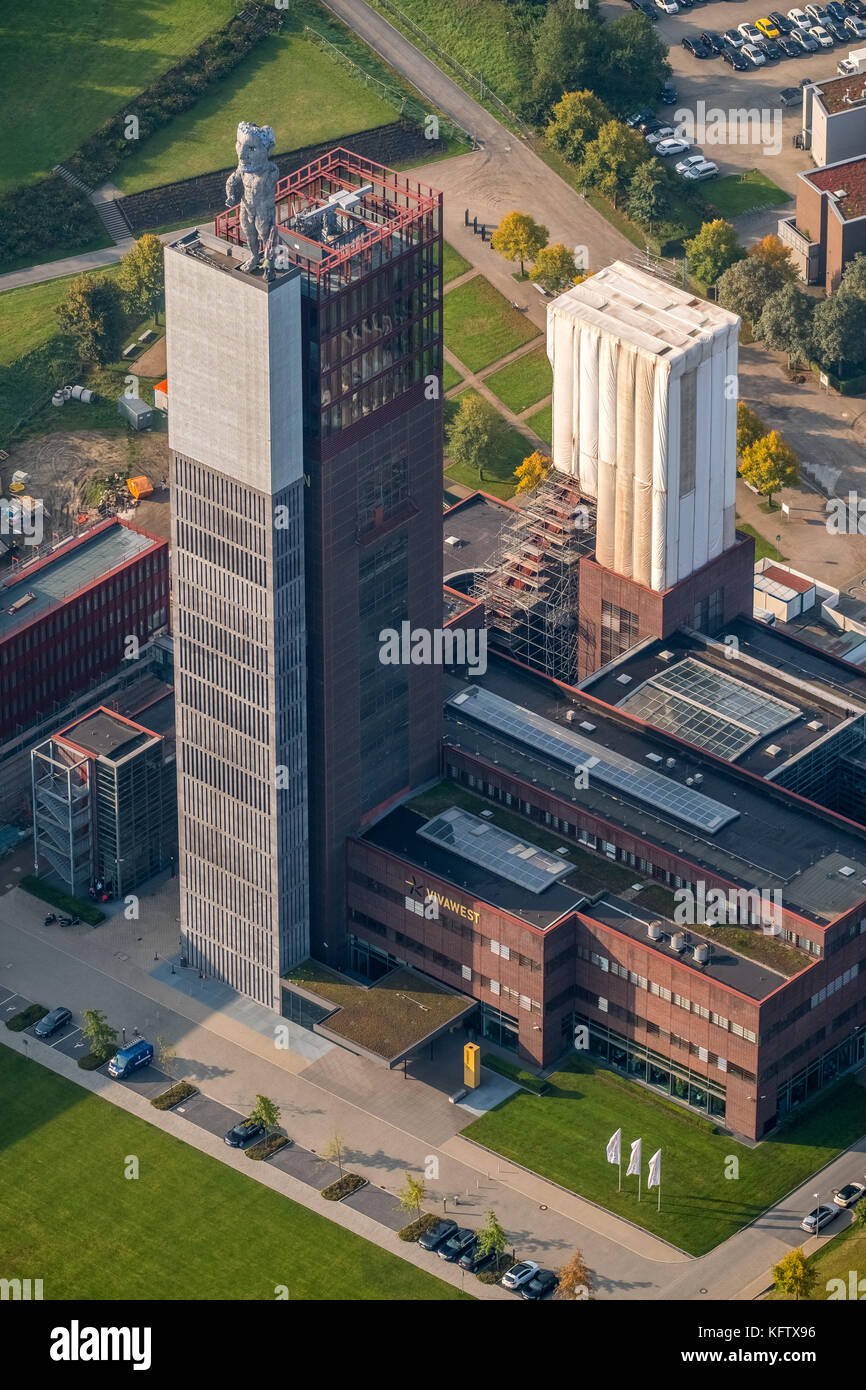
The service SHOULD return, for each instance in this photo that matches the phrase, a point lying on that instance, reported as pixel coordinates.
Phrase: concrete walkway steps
(110, 213)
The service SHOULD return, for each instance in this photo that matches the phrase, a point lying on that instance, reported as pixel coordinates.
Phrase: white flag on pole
(614, 1147)
(634, 1161)
(655, 1170)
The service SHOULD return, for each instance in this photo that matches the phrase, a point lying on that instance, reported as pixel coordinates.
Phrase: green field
(481, 326)
(69, 67)
(763, 548)
(498, 478)
(541, 423)
(523, 382)
(27, 317)
(563, 1135)
(187, 1228)
(833, 1260)
(286, 82)
(453, 264)
(739, 193)
(450, 376)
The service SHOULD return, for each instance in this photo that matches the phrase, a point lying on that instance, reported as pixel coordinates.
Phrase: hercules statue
(254, 184)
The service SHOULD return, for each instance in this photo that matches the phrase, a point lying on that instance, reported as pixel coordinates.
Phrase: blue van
(130, 1059)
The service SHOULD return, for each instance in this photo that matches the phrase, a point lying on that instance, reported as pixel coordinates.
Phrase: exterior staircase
(110, 212)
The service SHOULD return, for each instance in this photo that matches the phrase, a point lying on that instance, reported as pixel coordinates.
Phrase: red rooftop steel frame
(313, 184)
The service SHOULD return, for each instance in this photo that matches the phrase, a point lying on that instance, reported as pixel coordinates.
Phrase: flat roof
(787, 579)
(106, 735)
(848, 178)
(73, 567)
(631, 304)
(773, 842)
(475, 524)
(398, 832)
(834, 91)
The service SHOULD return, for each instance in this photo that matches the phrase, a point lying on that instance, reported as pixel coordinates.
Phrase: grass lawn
(481, 326)
(453, 264)
(762, 547)
(90, 56)
(563, 1135)
(450, 376)
(27, 317)
(523, 382)
(287, 82)
(90, 1231)
(738, 193)
(833, 1261)
(498, 479)
(541, 423)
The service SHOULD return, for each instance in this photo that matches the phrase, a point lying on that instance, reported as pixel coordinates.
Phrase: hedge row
(181, 1090)
(73, 907)
(45, 217)
(416, 1228)
(527, 1079)
(26, 1018)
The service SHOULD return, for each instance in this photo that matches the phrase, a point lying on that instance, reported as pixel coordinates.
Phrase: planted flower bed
(181, 1090)
(266, 1147)
(27, 1017)
(344, 1187)
(417, 1227)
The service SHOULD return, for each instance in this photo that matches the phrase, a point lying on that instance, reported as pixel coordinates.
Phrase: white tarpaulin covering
(644, 414)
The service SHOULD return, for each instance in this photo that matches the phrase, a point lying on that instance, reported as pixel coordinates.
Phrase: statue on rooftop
(254, 184)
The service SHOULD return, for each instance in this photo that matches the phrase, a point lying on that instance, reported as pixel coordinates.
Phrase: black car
(248, 1132)
(697, 48)
(790, 96)
(855, 7)
(770, 48)
(462, 1240)
(788, 46)
(685, 4)
(473, 1261)
(51, 1022)
(440, 1231)
(734, 59)
(639, 118)
(781, 22)
(713, 41)
(540, 1285)
(837, 12)
(648, 125)
(835, 30)
(645, 7)
(669, 96)
(805, 42)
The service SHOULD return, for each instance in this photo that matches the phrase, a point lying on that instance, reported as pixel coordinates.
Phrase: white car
(664, 132)
(750, 32)
(856, 28)
(818, 1218)
(816, 13)
(671, 145)
(821, 37)
(669, 6)
(705, 169)
(754, 54)
(800, 18)
(849, 1195)
(520, 1274)
(689, 163)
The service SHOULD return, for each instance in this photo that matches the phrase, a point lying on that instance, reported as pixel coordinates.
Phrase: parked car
(835, 30)
(697, 48)
(668, 6)
(50, 919)
(788, 46)
(130, 1059)
(685, 4)
(519, 1274)
(713, 41)
(770, 49)
(689, 163)
(473, 1261)
(733, 38)
(849, 1195)
(816, 13)
(734, 59)
(821, 37)
(452, 1248)
(669, 96)
(799, 19)
(855, 27)
(440, 1231)
(640, 117)
(856, 7)
(804, 41)
(837, 11)
(51, 1022)
(248, 1132)
(540, 1285)
(754, 54)
(647, 126)
(790, 96)
(750, 33)
(664, 132)
(673, 145)
(697, 173)
(818, 1219)
(781, 21)
(767, 28)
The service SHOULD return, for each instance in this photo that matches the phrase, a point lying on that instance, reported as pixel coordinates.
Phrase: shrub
(91, 1062)
(43, 217)
(271, 1145)
(74, 907)
(495, 1272)
(343, 1187)
(26, 1018)
(416, 1228)
(182, 1090)
(527, 1079)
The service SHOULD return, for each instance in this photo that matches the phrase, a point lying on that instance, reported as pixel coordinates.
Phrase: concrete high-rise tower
(237, 483)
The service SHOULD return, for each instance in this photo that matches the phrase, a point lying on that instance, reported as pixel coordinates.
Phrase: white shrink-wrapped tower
(645, 416)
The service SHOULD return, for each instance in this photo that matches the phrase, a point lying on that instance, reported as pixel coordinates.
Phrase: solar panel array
(709, 708)
(497, 850)
(610, 769)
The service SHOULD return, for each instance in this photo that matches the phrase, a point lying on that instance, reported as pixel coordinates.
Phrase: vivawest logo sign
(77, 1343)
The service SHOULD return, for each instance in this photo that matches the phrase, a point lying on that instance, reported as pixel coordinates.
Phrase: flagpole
(660, 1197)
(619, 1176)
(638, 1184)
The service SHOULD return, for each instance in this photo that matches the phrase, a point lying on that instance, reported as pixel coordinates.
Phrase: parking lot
(721, 88)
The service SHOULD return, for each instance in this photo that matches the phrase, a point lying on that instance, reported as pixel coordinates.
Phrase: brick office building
(65, 620)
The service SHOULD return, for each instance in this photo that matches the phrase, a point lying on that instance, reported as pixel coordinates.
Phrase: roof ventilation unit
(570, 715)
(815, 724)
(690, 781)
(654, 931)
(653, 758)
(678, 941)
(666, 655)
(587, 727)
(624, 679)
(670, 762)
(699, 777)
(701, 953)
(773, 750)
(846, 871)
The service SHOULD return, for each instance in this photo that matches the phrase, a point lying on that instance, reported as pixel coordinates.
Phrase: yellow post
(471, 1065)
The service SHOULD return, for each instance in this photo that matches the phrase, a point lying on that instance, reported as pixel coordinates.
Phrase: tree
(611, 160)
(491, 1236)
(632, 63)
(575, 120)
(794, 1276)
(860, 1214)
(770, 251)
(575, 1279)
(166, 1055)
(769, 464)
(786, 323)
(412, 1195)
(750, 427)
(554, 268)
(839, 330)
(713, 250)
(97, 1031)
(854, 277)
(531, 471)
(266, 1113)
(141, 278)
(565, 54)
(474, 433)
(649, 196)
(746, 286)
(92, 316)
(519, 237)
(335, 1150)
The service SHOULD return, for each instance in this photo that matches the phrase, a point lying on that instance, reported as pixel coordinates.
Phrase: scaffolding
(62, 815)
(531, 594)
